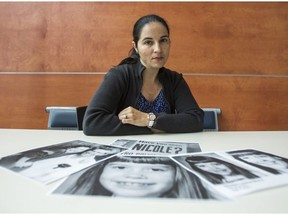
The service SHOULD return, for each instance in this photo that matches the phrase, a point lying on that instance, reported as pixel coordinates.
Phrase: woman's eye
(164, 40)
(148, 42)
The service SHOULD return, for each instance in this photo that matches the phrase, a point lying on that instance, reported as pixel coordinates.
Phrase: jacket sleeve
(101, 117)
(186, 115)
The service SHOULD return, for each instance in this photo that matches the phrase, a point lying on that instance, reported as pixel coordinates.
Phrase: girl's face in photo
(77, 149)
(265, 160)
(100, 152)
(137, 179)
(153, 45)
(214, 167)
(106, 151)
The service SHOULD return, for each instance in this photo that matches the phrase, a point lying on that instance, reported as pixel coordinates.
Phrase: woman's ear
(135, 46)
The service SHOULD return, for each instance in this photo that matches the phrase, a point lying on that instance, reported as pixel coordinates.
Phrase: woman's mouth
(158, 58)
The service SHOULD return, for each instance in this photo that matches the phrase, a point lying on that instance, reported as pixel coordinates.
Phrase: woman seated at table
(140, 95)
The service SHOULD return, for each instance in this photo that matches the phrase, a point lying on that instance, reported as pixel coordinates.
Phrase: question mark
(178, 150)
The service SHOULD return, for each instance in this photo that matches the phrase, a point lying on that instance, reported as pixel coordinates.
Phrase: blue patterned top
(159, 105)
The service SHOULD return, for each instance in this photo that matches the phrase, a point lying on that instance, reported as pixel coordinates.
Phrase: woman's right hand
(133, 116)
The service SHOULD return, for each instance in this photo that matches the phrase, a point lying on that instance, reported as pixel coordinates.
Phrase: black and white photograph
(138, 177)
(142, 147)
(53, 162)
(218, 171)
(125, 143)
(265, 161)
(231, 177)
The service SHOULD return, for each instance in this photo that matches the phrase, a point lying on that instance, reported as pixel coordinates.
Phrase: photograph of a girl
(134, 176)
(268, 162)
(215, 170)
(50, 163)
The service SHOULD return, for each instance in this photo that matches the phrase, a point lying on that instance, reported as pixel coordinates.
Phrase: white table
(21, 195)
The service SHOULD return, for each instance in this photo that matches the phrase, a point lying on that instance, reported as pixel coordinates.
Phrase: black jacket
(121, 88)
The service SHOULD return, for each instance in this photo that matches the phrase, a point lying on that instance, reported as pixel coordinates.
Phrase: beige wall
(234, 56)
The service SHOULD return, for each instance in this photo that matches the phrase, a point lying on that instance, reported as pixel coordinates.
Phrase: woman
(218, 171)
(141, 177)
(140, 96)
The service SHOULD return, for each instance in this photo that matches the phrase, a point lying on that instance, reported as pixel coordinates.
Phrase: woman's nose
(157, 47)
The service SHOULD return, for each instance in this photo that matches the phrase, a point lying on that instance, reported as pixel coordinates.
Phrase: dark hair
(87, 182)
(237, 155)
(138, 26)
(216, 178)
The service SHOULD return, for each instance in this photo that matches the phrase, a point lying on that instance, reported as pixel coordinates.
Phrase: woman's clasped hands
(133, 116)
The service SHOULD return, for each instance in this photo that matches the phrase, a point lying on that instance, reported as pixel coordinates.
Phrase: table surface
(21, 195)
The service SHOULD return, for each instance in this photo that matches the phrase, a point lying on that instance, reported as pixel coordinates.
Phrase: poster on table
(143, 176)
(142, 147)
(236, 172)
(149, 169)
(197, 176)
(50, 163)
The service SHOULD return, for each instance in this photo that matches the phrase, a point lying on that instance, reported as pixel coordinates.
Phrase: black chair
(71, 118)
(80, 112)
(211, 119)
(65, 118)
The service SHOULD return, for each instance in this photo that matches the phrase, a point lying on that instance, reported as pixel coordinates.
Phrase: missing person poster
(201, 176)
(141, 147)
(149, 169)
(237, 172)
(54, 162)
(138, 177)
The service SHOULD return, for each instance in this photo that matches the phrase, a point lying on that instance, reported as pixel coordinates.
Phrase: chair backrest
(80, 112)
(71, 118)
(211, 119)
(62, 118)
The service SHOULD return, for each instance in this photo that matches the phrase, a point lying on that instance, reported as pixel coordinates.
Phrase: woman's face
(265, 160)
(137, 179)
(214, 167)
(153, 45)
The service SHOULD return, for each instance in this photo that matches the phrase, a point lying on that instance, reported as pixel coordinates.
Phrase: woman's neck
(151, 85)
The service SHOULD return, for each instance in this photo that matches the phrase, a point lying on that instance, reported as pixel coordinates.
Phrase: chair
(71, 118)
(211, 119)
(65, 118)
(80, 112)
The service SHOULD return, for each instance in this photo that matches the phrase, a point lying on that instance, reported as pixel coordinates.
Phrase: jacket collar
(140, 68)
